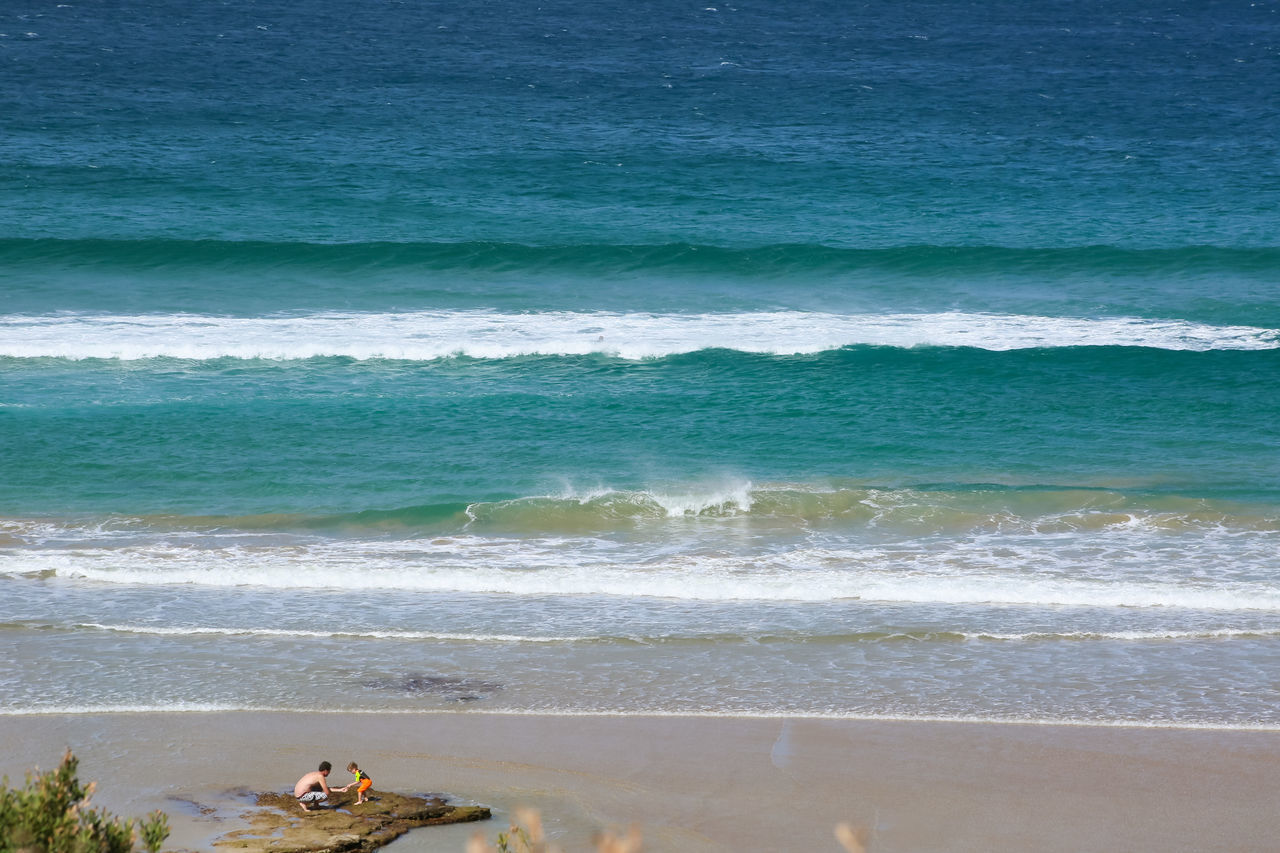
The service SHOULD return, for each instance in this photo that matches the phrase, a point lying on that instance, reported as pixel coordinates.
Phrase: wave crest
(947, 510)
(432, 335)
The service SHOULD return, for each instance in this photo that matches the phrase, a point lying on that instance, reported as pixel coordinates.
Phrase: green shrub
(51, 814)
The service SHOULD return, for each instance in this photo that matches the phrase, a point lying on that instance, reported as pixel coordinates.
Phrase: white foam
(1135, 636)
(952, 572)
(199, 630)
(733, 498)
(429, 335)
(128, 708)
(196, 630)
(749, 714)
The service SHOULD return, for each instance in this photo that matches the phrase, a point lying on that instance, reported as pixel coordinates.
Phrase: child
(363, 783)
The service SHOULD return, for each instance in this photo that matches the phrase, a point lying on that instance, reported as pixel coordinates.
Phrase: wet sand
(697, 783)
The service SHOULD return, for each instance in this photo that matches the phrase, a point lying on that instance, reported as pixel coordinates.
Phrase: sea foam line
(430, 335)
(869, 635)
(305, 634)
(722, 581)
(1137, 636)
(727, 714)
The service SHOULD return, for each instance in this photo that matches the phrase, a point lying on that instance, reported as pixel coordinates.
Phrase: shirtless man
(312, 788)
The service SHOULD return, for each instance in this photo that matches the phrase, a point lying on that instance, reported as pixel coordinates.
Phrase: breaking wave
(478, 334)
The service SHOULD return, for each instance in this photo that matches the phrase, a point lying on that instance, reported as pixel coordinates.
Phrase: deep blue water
(834, 124)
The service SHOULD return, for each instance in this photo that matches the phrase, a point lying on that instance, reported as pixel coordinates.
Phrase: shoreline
(179, 710)
(696, 783)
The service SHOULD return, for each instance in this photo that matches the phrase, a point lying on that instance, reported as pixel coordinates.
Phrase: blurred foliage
(51, 814)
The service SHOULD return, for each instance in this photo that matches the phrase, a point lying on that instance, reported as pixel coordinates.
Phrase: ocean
(910, 361)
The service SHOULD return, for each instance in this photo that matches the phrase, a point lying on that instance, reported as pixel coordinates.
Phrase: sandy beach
(700, 783)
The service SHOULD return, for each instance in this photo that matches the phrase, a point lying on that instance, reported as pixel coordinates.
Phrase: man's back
(313, 781)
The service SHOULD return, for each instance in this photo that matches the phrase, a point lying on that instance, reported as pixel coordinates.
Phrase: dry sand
(700, 784)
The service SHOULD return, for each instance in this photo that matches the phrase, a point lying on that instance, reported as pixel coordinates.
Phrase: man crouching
(312, 788)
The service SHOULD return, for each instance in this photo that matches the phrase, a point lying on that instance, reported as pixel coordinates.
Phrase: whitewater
(429, 335)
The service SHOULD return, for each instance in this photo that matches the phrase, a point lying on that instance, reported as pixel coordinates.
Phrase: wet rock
(194, 808)
(280, 826)
(446, 686)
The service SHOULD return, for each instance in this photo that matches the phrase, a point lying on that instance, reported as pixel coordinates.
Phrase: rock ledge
(280, 826)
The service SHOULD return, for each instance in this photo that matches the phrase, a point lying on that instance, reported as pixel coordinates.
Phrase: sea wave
(370, 634)
(694, 637)
(952, 574)
(613, 259)
(28, 709)
(956, 545)
(926, 510)
(479, 334)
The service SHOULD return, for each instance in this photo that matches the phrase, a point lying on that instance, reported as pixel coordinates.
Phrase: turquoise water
(722, 360)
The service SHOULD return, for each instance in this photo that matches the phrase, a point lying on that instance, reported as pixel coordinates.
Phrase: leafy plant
(51, 814)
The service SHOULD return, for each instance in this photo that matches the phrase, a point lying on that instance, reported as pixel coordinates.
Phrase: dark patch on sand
(194, 808)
